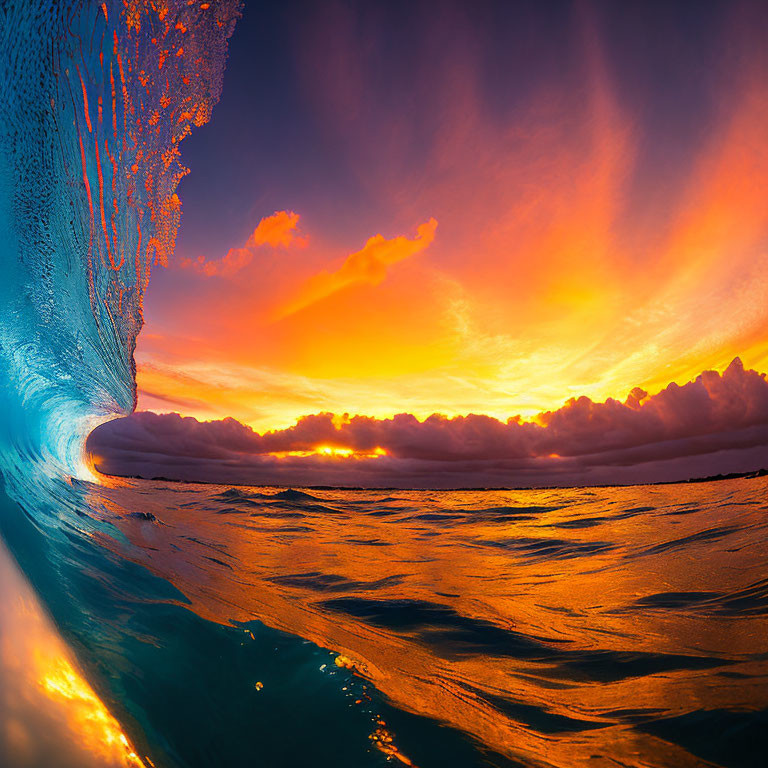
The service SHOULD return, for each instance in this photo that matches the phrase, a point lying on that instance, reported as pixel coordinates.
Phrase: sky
(471, 208)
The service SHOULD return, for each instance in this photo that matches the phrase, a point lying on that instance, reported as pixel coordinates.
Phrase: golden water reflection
(49, 714)
(555, 627)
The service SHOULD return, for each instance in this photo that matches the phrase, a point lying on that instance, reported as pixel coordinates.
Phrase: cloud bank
(716, 423)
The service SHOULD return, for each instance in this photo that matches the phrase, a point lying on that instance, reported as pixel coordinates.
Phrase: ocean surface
(227, 626)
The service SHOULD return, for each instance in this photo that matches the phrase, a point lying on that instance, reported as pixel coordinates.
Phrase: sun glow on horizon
(207, 400)
(331, 451)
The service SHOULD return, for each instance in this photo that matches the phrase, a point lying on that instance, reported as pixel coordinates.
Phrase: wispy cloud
(276, 231)
(368, 265)
(591, 238)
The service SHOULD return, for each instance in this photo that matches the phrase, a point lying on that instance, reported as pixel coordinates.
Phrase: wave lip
(93, 107)
(95, 99)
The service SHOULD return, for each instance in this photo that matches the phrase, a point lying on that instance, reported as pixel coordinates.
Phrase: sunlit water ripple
(600, 627)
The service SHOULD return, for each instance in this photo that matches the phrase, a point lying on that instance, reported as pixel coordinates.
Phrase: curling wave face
(95, 99)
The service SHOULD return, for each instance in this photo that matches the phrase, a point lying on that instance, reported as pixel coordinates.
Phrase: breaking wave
(95, 100)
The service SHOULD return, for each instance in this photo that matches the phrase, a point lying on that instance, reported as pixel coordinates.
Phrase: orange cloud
(275, 231)
(368, 265)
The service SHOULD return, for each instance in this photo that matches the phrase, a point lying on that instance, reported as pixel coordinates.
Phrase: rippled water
(600, 627)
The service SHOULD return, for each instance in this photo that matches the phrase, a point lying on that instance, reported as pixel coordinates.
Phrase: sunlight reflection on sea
(562, 627)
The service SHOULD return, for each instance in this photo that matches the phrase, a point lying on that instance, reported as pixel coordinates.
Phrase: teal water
(184, 688)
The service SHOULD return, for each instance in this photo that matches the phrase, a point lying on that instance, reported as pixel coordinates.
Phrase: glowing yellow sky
(527, 262)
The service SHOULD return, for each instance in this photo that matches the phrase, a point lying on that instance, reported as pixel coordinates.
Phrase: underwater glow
(89, 718)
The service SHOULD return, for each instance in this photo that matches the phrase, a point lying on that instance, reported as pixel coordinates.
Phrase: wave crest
(95, 100)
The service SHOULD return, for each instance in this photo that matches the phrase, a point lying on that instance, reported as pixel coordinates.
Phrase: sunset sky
(485, 209)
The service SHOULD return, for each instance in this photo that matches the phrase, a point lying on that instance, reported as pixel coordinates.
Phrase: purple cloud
(716, 423)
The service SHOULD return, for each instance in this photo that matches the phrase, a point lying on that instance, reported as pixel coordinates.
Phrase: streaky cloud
(276, 231)
(368, 265)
